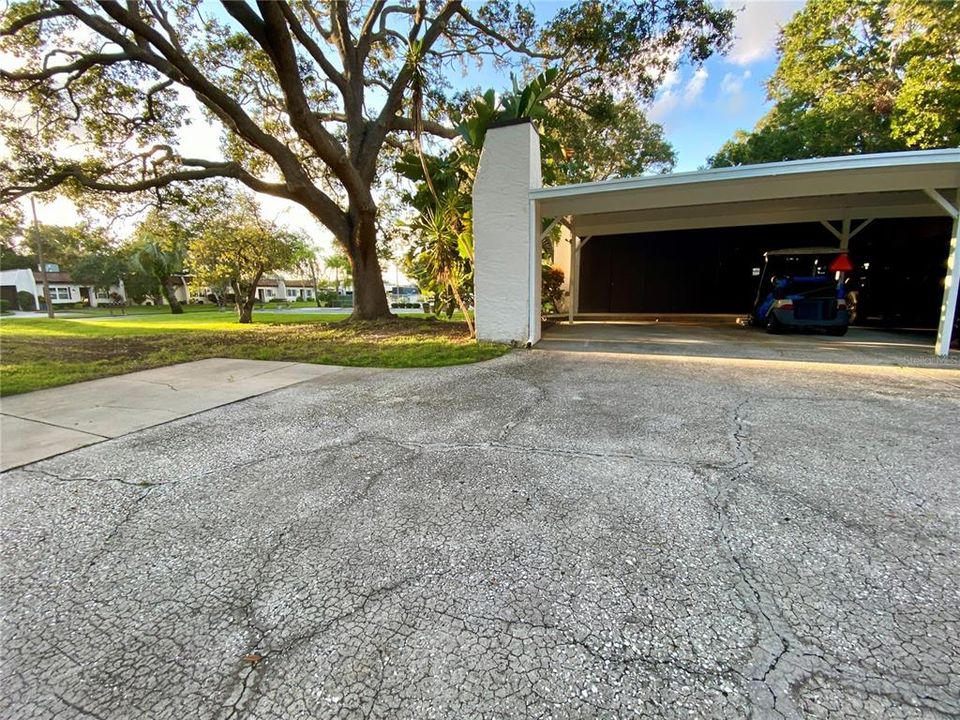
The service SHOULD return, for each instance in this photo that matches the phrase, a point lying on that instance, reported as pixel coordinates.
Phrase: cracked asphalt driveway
(543, 535)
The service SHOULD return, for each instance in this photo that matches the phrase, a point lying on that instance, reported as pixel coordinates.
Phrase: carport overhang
(510, 209)
(842, 193)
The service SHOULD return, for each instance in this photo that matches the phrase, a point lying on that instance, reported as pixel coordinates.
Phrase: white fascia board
(948, 156)
(663, 219)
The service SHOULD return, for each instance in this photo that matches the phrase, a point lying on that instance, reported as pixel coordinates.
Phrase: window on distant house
(268, 291)
(60, 293)
(103, 295)
(291, 292)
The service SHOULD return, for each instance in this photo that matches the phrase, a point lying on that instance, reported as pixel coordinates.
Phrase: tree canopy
(159, 249)
(235, 248)
(607, 139)
(859, 77)
(313, 97)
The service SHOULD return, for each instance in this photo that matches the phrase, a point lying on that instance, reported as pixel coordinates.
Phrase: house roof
(54, 277)
(275, 282)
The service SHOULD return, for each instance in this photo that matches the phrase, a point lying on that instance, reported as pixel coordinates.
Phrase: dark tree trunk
(170, 293)
(245, 299)
(245, 310)
(316, 286)
(369, 297)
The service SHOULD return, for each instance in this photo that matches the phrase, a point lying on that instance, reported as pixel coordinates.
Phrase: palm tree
(442, 255)
(338, 262)
(164, 265)
(442, 239)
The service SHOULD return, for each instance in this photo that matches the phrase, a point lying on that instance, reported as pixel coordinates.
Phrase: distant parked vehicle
(803, 288)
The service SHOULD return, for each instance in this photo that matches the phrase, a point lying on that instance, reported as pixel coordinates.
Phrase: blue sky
(701, 108)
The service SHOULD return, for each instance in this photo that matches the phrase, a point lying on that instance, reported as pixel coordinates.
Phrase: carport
(513, 213)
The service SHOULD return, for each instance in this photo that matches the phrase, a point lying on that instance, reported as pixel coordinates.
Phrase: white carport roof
(858, 187)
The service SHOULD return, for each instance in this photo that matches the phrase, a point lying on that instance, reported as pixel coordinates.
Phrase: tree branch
(76, 174)
(431, 127)
(312, 47)
(81, 64)
(156, 9)
(378, 130)
(176, 66)
(490, 32)
(152, 49)
(324, 32)
(366, 30)
(403, 124)
(272, 34)
(31, 19)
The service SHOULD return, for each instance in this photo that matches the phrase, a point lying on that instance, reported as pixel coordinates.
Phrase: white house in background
(63, 289)
(269, 288)
(288, 289)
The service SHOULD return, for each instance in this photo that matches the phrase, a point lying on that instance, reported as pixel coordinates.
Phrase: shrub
(552, 296)
(26, 300)
(327, 297)
(4, 306)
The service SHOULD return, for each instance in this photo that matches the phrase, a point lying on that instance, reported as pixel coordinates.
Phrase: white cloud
(664, 104)
(671, 96)
(732, 84)
(694, 87)
(671, 78)
(757, 26)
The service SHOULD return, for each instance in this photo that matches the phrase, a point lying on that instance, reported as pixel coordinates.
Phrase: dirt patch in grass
(34, 361)
(78, 349)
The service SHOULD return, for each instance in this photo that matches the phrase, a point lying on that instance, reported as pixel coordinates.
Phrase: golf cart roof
(805, 251)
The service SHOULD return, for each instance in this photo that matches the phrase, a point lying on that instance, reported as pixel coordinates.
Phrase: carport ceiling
(857, 187)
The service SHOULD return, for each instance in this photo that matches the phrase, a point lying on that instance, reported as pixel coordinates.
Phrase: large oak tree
(312, 96)
(859, 77)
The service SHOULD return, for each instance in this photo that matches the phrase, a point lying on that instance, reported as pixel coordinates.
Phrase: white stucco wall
(507, 270)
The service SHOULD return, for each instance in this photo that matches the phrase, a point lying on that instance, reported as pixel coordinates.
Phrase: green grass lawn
(105, 311)
(39, 353)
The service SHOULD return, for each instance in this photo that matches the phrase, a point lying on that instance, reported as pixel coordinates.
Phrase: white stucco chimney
(506, 235)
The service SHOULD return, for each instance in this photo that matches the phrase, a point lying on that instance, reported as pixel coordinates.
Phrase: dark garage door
(9, 293)
(901, 264)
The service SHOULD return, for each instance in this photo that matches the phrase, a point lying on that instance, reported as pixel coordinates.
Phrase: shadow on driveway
(719, 336)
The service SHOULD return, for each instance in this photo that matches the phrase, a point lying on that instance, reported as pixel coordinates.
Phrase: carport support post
(506, 232)
(948, 309)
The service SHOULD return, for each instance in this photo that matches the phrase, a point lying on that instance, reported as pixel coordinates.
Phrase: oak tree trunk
(245, 298)
(245, 310)
(369, 296)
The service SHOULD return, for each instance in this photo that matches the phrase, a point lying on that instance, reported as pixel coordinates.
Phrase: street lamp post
(43, 267)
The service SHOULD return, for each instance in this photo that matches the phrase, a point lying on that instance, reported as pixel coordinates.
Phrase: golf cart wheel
(838, 331)
(773, 325)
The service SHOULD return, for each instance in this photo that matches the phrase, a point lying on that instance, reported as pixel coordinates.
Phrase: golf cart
(803, 288)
